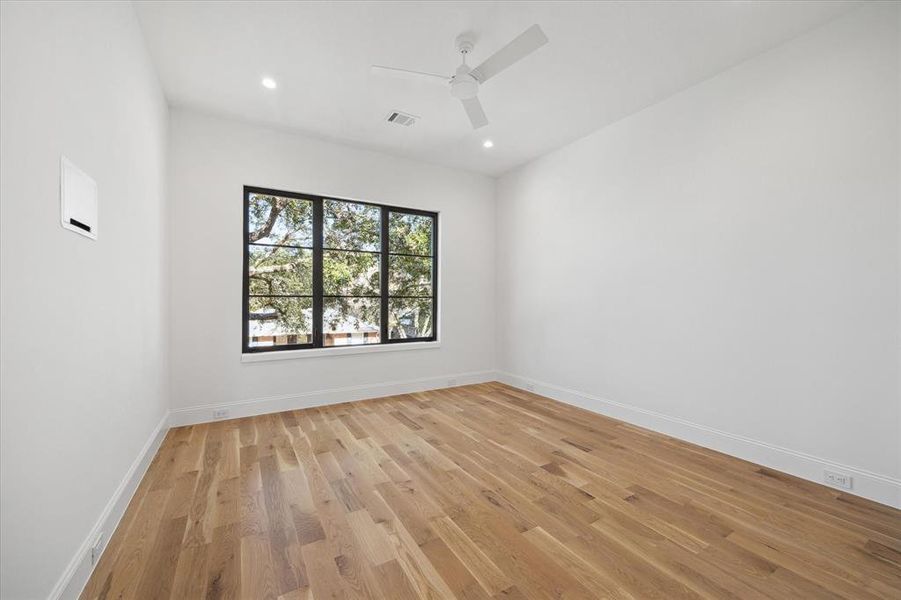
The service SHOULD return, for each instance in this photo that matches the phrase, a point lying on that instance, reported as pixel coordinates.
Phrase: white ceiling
(605, 60)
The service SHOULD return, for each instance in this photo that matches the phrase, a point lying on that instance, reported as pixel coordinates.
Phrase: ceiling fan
(464, 85)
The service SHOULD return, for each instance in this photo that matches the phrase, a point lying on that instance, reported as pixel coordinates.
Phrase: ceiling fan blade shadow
(524, 44)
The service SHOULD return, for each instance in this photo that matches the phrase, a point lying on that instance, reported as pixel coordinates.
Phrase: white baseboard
(80, 568)
(873, 486)
(270, 404)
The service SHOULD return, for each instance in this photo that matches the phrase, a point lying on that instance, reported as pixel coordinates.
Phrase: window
(322, 272)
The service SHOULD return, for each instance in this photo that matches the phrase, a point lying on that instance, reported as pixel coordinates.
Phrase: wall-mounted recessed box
(78, 199)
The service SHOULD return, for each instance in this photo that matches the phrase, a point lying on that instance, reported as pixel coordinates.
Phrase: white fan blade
(407, 74)
(474, 112)
(527, 42)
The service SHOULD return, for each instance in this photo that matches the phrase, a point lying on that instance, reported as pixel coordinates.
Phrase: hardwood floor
(481, 491)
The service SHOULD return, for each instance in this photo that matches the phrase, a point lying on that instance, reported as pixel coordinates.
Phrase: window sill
(337, 351)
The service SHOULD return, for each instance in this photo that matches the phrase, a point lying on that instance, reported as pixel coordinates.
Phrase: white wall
(83, 346)
(727, 258)
(211, 159)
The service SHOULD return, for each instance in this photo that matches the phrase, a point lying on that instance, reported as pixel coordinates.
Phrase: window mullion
(434, 335)
(317, 273)
(383, 279)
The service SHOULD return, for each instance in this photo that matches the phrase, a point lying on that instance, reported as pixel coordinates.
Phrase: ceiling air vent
(399, 118)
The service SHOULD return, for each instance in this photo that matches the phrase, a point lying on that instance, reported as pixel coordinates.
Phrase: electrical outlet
(220, 413)
(96, 549)
(530, 387)
(451, 382)
(839, 480)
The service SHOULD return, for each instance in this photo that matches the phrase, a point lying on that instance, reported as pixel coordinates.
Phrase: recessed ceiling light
(269, 83)
(488, 144)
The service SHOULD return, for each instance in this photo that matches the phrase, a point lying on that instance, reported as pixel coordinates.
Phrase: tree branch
(276, 206)
(272, 268)
(267, 316)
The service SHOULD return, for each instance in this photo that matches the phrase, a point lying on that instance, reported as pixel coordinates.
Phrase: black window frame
(318, 250)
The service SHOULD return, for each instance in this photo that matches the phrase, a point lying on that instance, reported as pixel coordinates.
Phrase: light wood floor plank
(479, 492)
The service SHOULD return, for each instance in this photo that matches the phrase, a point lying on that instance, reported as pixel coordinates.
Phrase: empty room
(450, 300)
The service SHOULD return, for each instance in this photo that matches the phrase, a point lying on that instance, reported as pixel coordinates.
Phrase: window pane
(409, 276)
(350, 273)
(410, 234)
(278, 271)
(282, 221)
(350, 226)
(280, 321)
(409, 318)
(350, 321)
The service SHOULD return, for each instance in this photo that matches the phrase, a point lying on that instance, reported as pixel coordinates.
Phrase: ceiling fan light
(464, 87)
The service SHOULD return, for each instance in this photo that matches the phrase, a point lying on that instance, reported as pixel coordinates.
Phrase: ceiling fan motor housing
(464, 86)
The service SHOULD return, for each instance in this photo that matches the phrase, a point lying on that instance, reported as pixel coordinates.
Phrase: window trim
(255, 357)
(317, 291)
